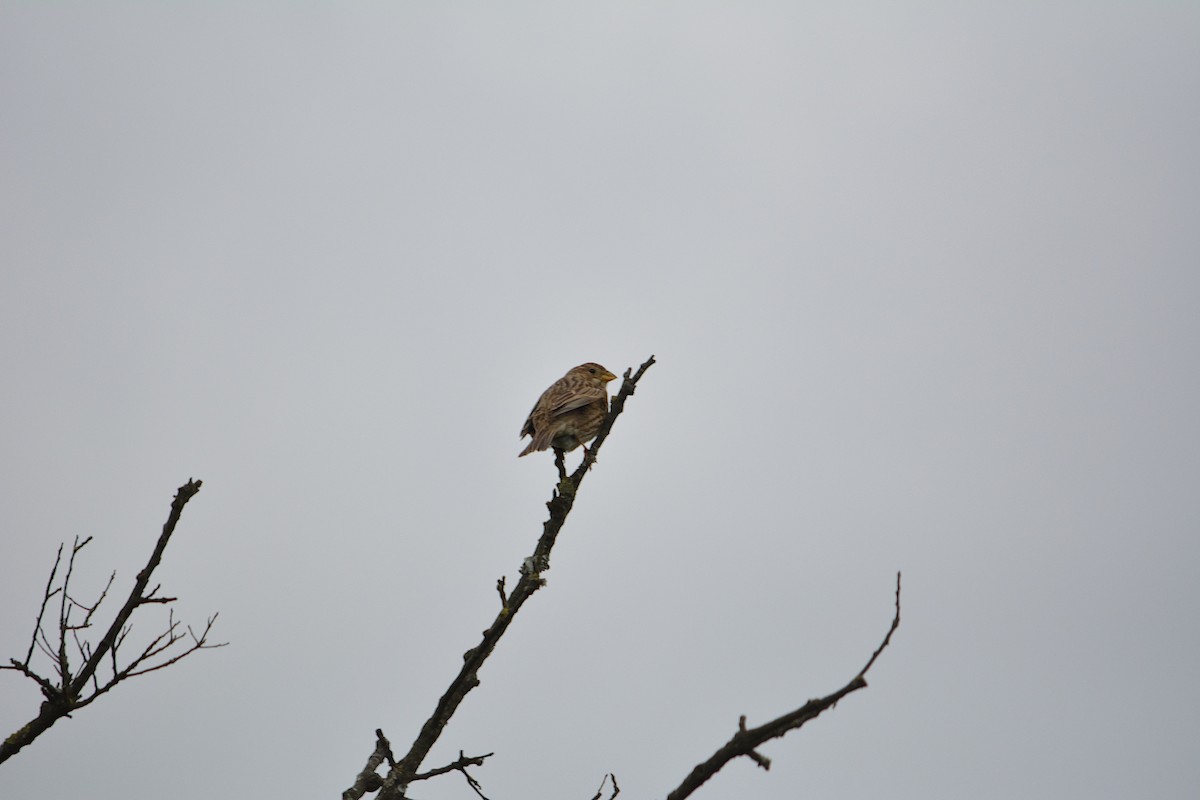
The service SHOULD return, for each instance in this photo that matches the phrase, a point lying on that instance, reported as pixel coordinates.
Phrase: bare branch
(69, 693)
(560, 504)
(746, 739)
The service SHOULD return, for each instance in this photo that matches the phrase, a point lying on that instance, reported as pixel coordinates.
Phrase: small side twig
(616, 790)
(754, 755)
(461, 763)
(46, 597)
(474, 784)
(503, 596)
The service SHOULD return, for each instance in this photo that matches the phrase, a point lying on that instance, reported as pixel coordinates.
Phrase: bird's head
(592, 373)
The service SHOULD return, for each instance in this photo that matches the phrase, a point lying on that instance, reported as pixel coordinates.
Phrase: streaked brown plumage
(570, 412)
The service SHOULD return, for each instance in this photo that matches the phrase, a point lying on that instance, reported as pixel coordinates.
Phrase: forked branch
(70, 690)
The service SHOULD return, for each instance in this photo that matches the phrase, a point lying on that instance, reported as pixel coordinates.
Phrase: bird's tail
(541, 441)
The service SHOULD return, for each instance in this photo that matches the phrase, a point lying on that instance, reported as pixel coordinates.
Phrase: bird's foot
(589, 458)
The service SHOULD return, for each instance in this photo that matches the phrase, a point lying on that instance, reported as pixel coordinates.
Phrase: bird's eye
(591, 370)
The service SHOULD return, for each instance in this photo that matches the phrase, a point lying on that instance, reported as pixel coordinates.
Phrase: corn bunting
(569, 413)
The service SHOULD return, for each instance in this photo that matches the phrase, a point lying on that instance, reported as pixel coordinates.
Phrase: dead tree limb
(71, 690)
(561, 501)
(746, 740)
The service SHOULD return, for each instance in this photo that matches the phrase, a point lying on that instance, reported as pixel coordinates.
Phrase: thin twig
(616, 789)
(474, 784)
(887, 639)
(37, 625)
(91, 610)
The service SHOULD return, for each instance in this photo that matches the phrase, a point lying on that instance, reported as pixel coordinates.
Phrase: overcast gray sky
(922, 282)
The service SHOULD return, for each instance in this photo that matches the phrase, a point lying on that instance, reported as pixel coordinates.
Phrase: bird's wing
(577, 397)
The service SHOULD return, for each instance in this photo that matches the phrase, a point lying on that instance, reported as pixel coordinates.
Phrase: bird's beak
(608, 376)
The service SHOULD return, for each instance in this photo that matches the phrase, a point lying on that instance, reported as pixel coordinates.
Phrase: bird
(569, 413)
